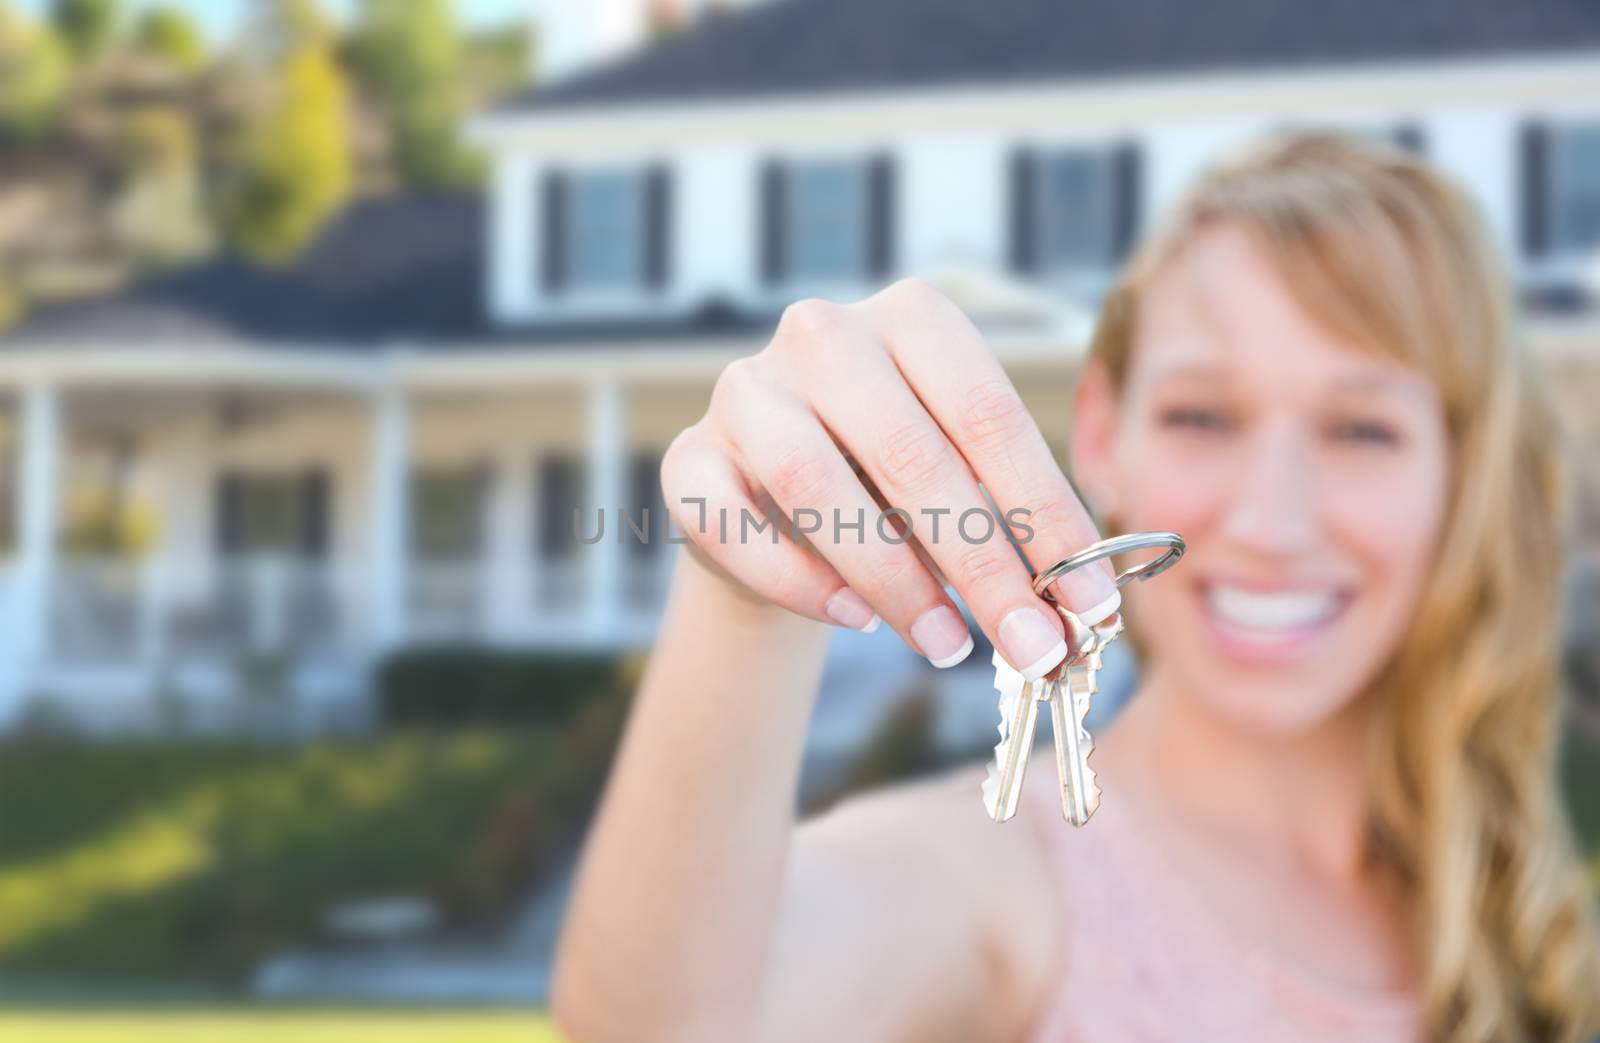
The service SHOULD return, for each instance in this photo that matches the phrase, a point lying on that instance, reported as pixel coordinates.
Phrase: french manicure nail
(942, 636)
(1089, 592)
(1032, 643)
(849, 609)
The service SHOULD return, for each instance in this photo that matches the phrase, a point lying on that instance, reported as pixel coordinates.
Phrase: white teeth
(1282, 611)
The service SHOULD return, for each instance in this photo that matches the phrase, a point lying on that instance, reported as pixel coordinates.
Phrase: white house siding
(951, 147)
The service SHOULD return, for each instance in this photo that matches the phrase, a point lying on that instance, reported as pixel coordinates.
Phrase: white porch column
(36, 543)
(607, 438)
(389, 517)
(509, 550)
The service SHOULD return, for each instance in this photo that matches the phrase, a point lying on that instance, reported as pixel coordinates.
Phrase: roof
(814, 46)
(385, 269)
(388, 270)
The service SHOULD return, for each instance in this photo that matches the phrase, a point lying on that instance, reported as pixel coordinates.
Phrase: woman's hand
(903, 386)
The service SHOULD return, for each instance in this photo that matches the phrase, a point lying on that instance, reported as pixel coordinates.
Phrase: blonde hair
(1466, 810)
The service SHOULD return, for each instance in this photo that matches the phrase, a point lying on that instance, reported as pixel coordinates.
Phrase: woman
(1328, 812)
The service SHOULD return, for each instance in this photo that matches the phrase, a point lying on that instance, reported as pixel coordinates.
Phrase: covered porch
(186, 536)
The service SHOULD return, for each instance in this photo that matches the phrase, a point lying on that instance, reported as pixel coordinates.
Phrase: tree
(168, 34)
(33, 74)
(87, 26)
(157, 215)
(294, 164)
(408, 52)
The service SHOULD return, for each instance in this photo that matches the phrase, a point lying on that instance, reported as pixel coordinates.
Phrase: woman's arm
(669, 927)
(702, 913)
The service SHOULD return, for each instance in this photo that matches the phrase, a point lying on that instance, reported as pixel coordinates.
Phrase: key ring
(1171, 541)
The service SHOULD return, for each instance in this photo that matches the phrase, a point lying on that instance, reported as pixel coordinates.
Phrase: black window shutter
(228, 521)
(1127, 180)
(657, 227)
(880, 211)
(553, 225)
(314, 512)
(771, 223)
(1534, 164)
(1024, 210)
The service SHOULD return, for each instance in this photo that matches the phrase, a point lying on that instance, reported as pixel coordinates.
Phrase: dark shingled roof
(397, 269)
(386, 268)
(813, 46)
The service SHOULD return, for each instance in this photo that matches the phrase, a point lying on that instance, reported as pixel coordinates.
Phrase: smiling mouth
(1272, 617)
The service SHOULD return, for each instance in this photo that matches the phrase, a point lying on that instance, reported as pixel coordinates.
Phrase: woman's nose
(1273, 509)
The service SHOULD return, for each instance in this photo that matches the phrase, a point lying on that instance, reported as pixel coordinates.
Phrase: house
(386, 442)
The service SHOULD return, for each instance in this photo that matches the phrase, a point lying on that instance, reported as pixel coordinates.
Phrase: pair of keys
(1067, 689)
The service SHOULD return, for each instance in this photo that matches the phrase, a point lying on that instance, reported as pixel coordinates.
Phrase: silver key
(1069, 705)
(1067, 689)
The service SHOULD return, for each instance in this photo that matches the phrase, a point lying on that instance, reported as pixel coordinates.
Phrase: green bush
(472, 686)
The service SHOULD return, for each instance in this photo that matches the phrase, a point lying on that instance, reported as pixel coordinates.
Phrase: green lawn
(253, 1025)
(190, 861)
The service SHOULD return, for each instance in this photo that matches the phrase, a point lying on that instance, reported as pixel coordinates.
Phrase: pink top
(1145, 961)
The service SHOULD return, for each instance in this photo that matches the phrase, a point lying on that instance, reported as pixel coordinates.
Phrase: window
(644, 495)
(560, 492)
(264, 512)
(1074, 211)
(1574, 190)
(827, 221)
(447, 512)
(606, 230)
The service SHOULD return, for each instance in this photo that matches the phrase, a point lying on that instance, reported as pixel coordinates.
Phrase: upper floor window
(606, 229)
(1407, 135)
(1074, 211)
(827, 220)
(1560, 189)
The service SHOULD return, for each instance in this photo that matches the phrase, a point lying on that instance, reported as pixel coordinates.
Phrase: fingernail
(942, 636)
(849, 609)
(1090, 593)
(1032, 641)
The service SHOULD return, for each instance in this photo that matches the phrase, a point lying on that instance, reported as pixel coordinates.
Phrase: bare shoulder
(941, 818)
(934, 844)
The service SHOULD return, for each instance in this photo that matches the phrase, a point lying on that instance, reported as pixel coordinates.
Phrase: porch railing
(110, 610)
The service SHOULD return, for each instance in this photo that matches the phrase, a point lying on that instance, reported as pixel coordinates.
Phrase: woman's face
(1308, 477)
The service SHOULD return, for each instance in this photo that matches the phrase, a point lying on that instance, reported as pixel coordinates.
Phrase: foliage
(274, 1024)
(1580, 776)
(190, 862)
(158, 216)
(281, 27)
(456, 686)
(409, 53)
(295, 164)
(496, 60)
(87, 26)
(33, 74)
(167, 33)
(11, 309)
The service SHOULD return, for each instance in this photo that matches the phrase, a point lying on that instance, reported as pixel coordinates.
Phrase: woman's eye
(1197, 418)
(1365, 432)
